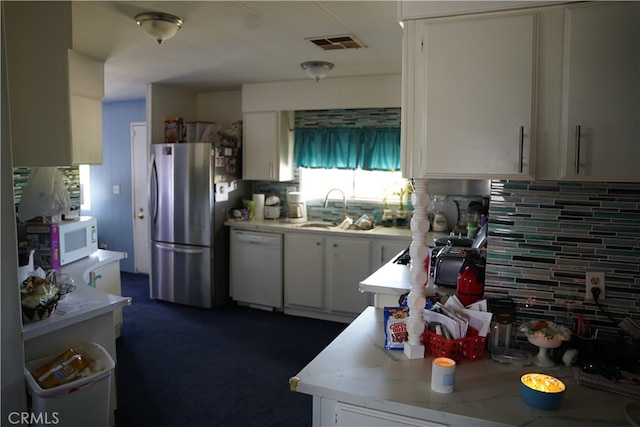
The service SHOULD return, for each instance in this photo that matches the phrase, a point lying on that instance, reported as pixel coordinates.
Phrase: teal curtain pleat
(347, 148)
(380, 150)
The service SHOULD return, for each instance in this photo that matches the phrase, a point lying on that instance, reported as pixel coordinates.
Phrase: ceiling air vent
(337, 42)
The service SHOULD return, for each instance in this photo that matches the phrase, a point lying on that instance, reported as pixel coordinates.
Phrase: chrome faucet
(344, 202)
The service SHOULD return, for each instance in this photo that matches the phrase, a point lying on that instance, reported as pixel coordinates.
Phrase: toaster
(448, 262)
(446, 266)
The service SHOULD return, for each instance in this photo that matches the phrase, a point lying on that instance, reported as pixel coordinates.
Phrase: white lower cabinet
(304, 270)
(107, 279)
(386, 250)
(321, 275)
(333, 413)
(348, 261)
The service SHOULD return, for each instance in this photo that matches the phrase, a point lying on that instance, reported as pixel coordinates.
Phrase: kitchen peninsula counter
(90, 318)
(355, 374)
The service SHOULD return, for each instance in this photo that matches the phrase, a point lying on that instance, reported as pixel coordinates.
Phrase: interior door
(140, 175)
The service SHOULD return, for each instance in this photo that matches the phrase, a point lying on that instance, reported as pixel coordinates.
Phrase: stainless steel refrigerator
(189, 243)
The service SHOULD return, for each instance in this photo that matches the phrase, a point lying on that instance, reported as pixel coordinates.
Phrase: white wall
(167, 101)
(13, 388)
(220, 107)
(329, 93)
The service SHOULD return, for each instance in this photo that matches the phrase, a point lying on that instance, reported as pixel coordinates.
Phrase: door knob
(141, 216)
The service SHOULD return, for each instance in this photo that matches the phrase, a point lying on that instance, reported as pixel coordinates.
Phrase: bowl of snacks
(544, 335)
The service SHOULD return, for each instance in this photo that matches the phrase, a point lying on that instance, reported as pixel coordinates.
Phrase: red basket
(471, 348)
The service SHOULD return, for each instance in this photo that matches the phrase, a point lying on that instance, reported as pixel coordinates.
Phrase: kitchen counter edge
(356, 369)
(79, 272)
(280, 225)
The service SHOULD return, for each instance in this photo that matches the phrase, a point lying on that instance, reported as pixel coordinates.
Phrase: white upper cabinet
(601, 92)
(268, 145)
(55, 94)
(416, 9)
(469, 97)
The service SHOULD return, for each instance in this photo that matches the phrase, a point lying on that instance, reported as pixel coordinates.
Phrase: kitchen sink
(325, 225)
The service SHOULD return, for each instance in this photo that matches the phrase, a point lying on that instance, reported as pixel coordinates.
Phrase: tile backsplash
(545, 235)
(70, 176)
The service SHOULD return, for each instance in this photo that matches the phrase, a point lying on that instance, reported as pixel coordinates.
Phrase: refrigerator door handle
(153, 181)
(174, 248)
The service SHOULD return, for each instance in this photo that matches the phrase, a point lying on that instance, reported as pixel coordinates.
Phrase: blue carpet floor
(185, 366)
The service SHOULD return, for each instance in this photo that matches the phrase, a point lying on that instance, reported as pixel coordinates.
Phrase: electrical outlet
(594, 280)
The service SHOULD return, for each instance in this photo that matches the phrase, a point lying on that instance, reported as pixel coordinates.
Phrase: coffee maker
(296, 207)
(503, 328)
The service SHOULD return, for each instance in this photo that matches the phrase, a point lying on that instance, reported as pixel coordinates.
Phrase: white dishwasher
(256, 269)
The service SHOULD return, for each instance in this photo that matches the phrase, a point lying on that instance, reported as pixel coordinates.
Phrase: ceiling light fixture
(160, 26)
(317, 69)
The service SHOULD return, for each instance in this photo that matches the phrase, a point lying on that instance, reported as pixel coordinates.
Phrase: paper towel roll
(258, 206)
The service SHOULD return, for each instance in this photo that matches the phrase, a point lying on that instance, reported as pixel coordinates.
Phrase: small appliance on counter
(272, 207)
(502, 339)
(297, 209)
(503, 329)
(60, 243)
(446, 261)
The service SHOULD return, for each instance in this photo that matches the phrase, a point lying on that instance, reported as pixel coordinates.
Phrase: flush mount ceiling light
(317, 69)
(160, 26)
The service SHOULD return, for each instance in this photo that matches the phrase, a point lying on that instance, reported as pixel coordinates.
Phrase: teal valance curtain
(347, 148)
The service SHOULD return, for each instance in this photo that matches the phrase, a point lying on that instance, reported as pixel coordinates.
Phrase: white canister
(443, 372)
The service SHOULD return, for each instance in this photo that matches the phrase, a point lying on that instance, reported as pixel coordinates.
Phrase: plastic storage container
(83, 402)
(471, 348)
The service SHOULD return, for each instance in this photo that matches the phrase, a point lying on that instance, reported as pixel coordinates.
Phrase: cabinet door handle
(578, 149)
(520, 148)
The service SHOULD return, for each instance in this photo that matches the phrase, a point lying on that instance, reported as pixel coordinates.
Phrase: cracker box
(173, 129)
(45, 239)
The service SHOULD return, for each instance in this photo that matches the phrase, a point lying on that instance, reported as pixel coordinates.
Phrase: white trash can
(83, 402)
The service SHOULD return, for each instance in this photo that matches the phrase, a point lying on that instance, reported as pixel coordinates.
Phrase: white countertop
(88, 302)
(281, 225)
(356, 369)
(391, 279)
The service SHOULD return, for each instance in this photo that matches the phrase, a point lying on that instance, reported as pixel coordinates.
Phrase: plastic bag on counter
(44, 194)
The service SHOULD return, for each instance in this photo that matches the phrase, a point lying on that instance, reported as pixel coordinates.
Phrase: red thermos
(470, 279)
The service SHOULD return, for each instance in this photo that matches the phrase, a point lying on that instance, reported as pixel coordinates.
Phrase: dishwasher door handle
(257, 239)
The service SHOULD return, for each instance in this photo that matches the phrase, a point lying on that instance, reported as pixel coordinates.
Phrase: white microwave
(78, 238)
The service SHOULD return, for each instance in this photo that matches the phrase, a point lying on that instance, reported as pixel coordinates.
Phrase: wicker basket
(471, 348)
(40, 312)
